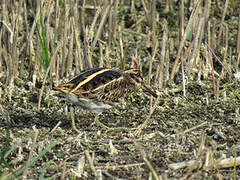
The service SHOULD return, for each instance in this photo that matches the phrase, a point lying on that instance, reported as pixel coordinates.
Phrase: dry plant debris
(190, 52)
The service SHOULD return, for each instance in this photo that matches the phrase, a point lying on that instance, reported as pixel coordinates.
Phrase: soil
(120, 153)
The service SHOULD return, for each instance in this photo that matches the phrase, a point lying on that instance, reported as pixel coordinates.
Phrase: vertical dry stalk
(183, 39)
(16, 21)
(155, 46)
(154, 42)
(132, 4)
(86, 54)
(181, 20)
(227, 53)
(65, 39)
(57, 16)
(222, 20)
(205, 27)
(57, 69)
(56, 64)
(34, 62)
(223, 73)
(209, 35)
(183, 78)
(217, 90)
(27, 44)
(123, 64)
(153, 20)
(169, 6)
(206, 10)
(238, 42)
(114, 21)
(9, 35)
(5, 11)
(91, 30)
(166, 65)
(110, 23)
(196, 47)
(214, 36)
(163, 54)
(6, 37)
(49, 31)
(2, 69)
(100, 28)
(101, 55)
(54, 36)
(108, 63)
(146, 11)
(78, 56)
(209, 57)
(70, 49)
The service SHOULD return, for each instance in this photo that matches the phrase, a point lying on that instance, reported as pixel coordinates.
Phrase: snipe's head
(134, 76)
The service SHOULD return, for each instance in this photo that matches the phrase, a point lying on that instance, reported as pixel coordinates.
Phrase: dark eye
(132, 75)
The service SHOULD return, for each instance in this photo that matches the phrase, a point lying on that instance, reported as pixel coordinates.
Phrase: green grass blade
(43, 43)
(34, 160)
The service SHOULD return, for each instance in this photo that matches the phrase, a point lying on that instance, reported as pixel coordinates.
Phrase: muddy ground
(120, 153)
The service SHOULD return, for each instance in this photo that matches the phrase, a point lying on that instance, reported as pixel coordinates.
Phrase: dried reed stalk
(146, 11)
(154, 42)
(196, 47)
(225, 54)
(114, 21)
(214, 36)
(65, 39)
(57, 13)
(122, 57)
(181, 20)
(92, 27)
(70, 49)
(100, 28)
(222, 21)
(86, 51)
(183, 39)
(101, 63)
(78, 51)
(238, 42)
(163, 55)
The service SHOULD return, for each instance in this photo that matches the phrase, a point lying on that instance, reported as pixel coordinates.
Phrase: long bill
(149, 90)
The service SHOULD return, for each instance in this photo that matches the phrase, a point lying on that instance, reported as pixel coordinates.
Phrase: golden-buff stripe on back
(89, 79)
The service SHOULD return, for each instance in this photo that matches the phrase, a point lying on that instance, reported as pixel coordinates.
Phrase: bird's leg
(98, 123)
(73, 120)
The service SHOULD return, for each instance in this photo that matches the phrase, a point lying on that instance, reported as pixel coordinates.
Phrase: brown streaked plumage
(98, 89)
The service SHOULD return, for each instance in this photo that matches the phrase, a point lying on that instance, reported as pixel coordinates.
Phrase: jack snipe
(101, 88)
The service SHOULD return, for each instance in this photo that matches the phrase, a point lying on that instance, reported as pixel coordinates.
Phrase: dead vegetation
(191, 53)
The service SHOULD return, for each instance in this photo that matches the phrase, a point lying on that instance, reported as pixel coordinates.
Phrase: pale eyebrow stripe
(89, 79)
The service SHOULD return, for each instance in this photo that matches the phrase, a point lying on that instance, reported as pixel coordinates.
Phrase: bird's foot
(98, 123)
